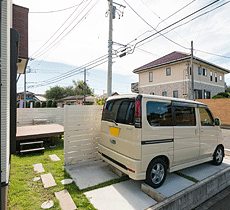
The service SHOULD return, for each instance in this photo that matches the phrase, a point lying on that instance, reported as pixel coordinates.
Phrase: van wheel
(218, 156)
(156, 173)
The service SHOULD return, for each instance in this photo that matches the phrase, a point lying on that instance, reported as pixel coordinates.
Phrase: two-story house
(171, 76)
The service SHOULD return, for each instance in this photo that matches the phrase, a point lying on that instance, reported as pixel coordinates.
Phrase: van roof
(134, 95)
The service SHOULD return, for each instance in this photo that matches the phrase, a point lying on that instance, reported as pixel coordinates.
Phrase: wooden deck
(39, 131)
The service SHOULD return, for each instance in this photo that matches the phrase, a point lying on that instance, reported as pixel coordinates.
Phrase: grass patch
(24, 193)
(186, 177)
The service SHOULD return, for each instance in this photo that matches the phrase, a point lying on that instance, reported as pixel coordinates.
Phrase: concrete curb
(227, 152)
(157, 196)
(196, 194)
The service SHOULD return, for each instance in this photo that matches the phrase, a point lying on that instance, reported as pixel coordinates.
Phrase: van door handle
(128, 128)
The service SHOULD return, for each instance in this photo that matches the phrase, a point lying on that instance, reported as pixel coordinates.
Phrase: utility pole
(84, 85)
(110, 49)
(25, 89)
(112, 12)
(192, 73)
(0, 102)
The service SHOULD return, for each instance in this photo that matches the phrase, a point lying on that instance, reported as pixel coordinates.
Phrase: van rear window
(120, 111)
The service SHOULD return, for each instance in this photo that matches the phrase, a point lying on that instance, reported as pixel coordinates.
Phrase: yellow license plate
(114, 131)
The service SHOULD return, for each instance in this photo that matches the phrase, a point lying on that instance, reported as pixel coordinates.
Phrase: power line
(188, 21)
(158, 32)
(79, 71)
(60, 10)
(72, 72)
(48, 49)
(58, 29)
(154, 28)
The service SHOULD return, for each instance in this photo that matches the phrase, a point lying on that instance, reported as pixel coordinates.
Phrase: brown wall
(20, 23)
(220, 108)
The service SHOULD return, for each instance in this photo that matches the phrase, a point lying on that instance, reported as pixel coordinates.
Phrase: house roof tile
(174, 57)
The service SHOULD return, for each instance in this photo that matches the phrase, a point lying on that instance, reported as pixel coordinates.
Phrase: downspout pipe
(0, 99)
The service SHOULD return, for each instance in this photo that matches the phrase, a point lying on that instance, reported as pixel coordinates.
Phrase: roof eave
(162, 64)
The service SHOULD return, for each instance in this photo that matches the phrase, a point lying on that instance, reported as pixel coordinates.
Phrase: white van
(145, 136)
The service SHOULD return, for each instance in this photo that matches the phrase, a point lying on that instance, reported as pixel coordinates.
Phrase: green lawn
(24, 193)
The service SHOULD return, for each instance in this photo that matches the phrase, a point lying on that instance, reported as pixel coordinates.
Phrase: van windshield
(120, 111)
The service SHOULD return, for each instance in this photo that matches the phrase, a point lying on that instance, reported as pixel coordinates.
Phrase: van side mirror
(217, 122)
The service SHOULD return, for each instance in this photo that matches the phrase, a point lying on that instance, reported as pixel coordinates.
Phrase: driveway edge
(196, 194)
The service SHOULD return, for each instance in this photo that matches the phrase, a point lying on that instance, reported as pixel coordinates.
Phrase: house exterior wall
(5, 97)
(20, 23)
(179, 80)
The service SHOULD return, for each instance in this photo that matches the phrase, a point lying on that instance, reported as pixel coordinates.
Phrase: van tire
(218, 156)
(156, 173)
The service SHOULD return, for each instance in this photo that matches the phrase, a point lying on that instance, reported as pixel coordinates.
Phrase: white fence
(82, 126)
(53, 115)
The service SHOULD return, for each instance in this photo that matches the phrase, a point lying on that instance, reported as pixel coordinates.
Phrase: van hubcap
(157, 173)
(219, 155)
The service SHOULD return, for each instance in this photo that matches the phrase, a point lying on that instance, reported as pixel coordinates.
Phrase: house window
(168, 71)
(221, 77)
(207, 95)
(164, 93)
(198, 94)
(150, 76)
(215, 77)
(151, 93)
(210, 75)
(205, 72)
(175, 94)
(199, 70)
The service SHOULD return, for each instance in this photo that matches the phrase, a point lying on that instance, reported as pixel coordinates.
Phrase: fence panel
(53, 115)
(82, 127)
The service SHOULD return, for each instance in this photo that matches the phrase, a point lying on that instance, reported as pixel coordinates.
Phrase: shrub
(54, 104)
(49, 103)
(32, 101)
(27, 104)
(43, 104)
(37, 104)
(218, 96)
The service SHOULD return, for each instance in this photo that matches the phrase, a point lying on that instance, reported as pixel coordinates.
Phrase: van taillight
(138, 109)
(138, 123)
(103, 107)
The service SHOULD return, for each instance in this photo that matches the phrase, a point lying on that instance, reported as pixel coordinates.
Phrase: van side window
(159, 113)
(206, 118)
(185, 116)
(125, 113)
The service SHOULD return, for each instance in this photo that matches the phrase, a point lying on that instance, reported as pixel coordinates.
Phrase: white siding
(5, 90)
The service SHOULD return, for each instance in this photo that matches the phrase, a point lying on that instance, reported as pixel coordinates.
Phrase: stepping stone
(47, 204)
(48, 180)
(35, 179)
(65, 200)
(66, 181)
(38, 168)
(54, 157)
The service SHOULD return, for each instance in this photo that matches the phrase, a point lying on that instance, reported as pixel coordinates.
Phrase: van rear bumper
(121, 162)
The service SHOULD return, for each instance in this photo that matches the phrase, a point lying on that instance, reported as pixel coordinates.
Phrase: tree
(55, 93)
(43, 104)
(68, 91)
(221, 95)
(54, 104)
(37, 104)
(79, 88)
(228, 89)
(100, 100)
(49, 103)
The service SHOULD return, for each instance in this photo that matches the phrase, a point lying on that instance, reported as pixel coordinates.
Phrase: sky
(83, 37)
